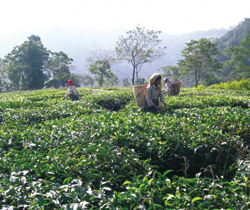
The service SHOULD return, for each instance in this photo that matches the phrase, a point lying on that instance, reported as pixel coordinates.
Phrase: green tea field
(102, 152)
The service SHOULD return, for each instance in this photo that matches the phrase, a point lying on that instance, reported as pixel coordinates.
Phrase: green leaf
(196, 199)
(126, 182)
(168, 197)
(67, 180)
(167, 172)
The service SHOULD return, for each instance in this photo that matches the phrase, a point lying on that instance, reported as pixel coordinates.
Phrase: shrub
(232, 85)
(201, 87)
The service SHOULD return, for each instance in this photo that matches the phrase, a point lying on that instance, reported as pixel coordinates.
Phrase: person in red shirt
(72, 91)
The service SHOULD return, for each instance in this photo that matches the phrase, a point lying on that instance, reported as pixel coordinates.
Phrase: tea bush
(232, 85)
(102, 152)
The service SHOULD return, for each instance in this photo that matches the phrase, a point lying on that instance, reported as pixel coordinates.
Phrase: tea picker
(149, 95)
(72, 91)
(172, 88)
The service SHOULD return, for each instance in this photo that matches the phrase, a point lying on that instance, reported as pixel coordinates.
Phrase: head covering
(70, 82)
(153, 78)
(166, 79)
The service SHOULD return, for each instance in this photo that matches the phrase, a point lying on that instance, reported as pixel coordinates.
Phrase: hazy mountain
(80, 43)
(233, 38)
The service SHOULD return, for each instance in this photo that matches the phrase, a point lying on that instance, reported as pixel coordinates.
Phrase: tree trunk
(101, 80)
(137, 77)
(24, 86)
(196, 78)
(133, 77)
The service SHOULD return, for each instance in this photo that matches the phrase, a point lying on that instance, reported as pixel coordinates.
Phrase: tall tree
(25, 64)
(98, 57)
(240, 58)
(200, 59)
(58, 66)
(140, 46)
(101, 68)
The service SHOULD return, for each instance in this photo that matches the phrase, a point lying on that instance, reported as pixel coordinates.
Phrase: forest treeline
(205, 61)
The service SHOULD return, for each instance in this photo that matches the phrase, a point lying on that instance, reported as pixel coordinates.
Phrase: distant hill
(231, 38)
(80, 43)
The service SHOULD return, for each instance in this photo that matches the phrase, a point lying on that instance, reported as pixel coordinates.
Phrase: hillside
(232, 38)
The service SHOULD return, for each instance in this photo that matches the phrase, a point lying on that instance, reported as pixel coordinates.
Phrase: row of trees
(32, 66)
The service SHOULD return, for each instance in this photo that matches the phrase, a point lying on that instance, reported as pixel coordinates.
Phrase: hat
(166, 79)
(70, 82)
(153, 78)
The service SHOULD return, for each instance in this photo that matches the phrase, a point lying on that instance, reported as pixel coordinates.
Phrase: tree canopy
(31, 66)
(139, 47)
(199, 59)
(58, 66)
(240, 58)
(25, 64)
(100, 64)
(100, 68)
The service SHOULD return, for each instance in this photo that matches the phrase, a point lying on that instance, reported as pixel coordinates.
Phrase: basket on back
(176, 88)
(139, 93)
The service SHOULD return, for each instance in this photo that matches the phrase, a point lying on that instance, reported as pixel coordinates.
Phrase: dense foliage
(240, 58)
(103, 153)
(25, 65)
(31, 66)
(232, 39)
(101, 68)
(199, 59)
(232, 85)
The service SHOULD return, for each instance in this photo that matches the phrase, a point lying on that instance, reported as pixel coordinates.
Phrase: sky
(169, 16)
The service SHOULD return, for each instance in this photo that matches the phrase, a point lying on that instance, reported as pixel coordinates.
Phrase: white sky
(169, 16)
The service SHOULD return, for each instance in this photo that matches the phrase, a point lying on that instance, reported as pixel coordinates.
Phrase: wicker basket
(139, 93)
(176, 88)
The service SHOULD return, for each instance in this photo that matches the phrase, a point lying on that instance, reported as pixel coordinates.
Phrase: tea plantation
(102, 152)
